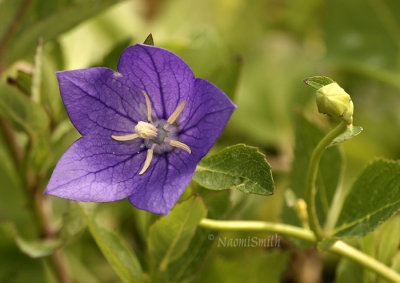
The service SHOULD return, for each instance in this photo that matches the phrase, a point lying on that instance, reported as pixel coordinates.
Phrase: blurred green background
(258, 52)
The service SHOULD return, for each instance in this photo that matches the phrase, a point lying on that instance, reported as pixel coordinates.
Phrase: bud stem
(312, 177)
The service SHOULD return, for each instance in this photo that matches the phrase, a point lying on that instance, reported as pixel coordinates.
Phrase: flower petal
(167, 178)
(204, 118)
(169, 174)
(99, 101)
(98, 170)
(165, 77)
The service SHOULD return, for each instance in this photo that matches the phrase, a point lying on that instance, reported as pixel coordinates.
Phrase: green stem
(312, 177)
(339, 247)
(343, 249)
(288, 230)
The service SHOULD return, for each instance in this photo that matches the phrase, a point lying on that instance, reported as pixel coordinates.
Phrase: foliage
(258, 53)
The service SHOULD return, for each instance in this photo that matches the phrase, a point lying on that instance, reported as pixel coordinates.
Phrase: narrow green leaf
(115, 250)
(21, 110)
(381, 244)
(22, 81)
(37, 73)
(52, 26)
(189, 264)
(396, 262)
(143, 220)
(349, 271)
(367, 246)
(227, 76)
(38, 248)
(351, 132)
(389, 240)
(52, 62)
(73, 222)
(318, 81)
(374, 197)
(170, 236)
(34, 248)
(239, 167)
(149, 40)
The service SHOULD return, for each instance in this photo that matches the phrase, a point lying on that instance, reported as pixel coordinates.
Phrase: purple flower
(144, 128)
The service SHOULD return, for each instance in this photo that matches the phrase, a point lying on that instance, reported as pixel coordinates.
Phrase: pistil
(145, 130)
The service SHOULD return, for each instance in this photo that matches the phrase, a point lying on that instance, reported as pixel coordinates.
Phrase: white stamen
(146, 130)
(149, 157)
(126, 137)
(148, 104)
(176, 113)
(179, 144)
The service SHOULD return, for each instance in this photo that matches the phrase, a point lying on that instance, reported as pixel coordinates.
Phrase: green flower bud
(335, 101)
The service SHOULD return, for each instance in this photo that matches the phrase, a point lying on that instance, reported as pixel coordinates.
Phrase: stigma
(145, 130)
(159, 136)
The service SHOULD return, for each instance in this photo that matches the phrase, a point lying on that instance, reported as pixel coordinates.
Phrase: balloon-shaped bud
(335, 101)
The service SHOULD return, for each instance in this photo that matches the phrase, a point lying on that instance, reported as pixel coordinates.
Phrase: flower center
(146, 130)
(157, 135)
(160, 136)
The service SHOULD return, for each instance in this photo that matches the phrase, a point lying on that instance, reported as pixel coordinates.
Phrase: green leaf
(170, 236)
(73, 222)
(38, 157)
(37, 73)
(351, 132)
(38, 248)
(227, 76)
(149, 40)
(396, 262)
(21, 110)
(349, 271)
(50, 98)
(374, 197)
(115, 250)
(189, 265)
(22, 80)
(52, 26)
(218, 203)
(382, 245)
(318, 81)
(308, 136)
(34, 248)
(239, 167)
(388, 240)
